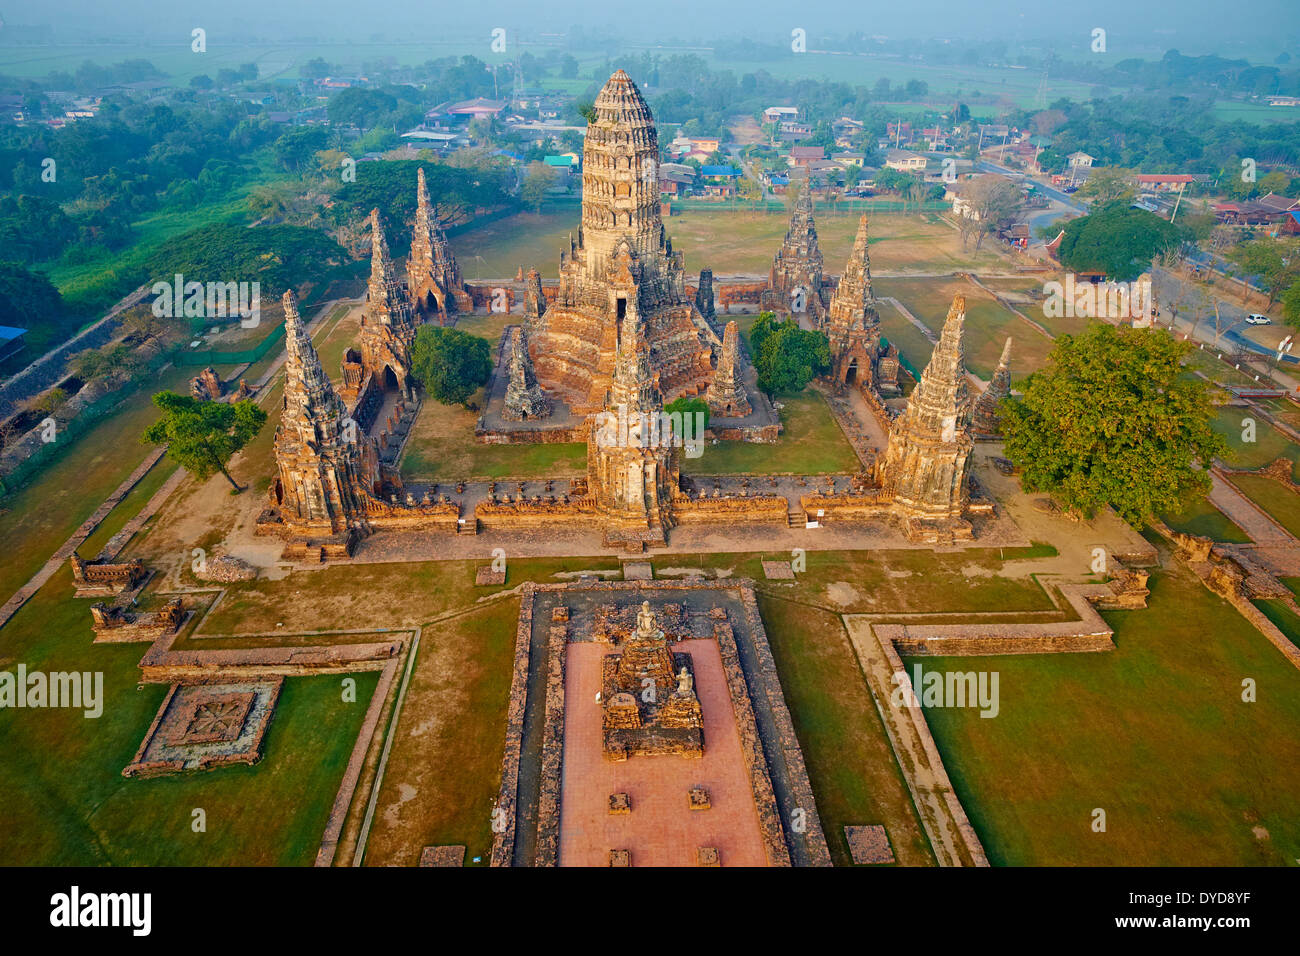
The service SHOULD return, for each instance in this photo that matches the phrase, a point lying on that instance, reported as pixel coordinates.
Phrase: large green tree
(450, 364)
(203, 436)
(1118, 240)
(787, 357)
(1114, 419)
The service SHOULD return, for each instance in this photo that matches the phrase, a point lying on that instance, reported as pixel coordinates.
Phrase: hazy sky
(1190, 25)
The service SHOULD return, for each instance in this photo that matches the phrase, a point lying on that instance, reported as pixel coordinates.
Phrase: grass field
(1155, 733)
(812, 443)
(441, 446)
(1274, 497)
(854, 775)
(1269, 444)
(68, 803)
(988, 324)
(1202, 518)
(727, 241)
(443, 771)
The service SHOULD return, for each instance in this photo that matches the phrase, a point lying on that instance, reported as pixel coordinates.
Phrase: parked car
(1256, 319)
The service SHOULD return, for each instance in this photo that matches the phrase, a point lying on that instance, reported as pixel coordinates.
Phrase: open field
(444, 768)
(441, 446)
(1154, 733)
(854, 776)
(988, 323)
(68, 803)
(812, 443)
(727, 241)
(1269, 444)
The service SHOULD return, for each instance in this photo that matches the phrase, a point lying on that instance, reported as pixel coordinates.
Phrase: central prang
(650, 705)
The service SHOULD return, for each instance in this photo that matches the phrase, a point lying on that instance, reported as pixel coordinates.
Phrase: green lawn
(1154, 732)
(1274, 497)
(854, 775)
(453, 717)
(812, 443)
(1269, 444)
(38, 518)
(1202, 518)
(67, 802)
(1287, 621)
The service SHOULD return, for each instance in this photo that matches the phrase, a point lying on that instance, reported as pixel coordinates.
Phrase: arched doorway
(851, 375)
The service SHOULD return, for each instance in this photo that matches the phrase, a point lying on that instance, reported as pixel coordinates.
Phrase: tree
(1110, 184)
(203, 436)
(1117, 240)
(1291, 305)
(537, 182)
(787, 357)
(450, 364)
(690, 407)
(991, 202)
(1113, 419)
(1275, 264)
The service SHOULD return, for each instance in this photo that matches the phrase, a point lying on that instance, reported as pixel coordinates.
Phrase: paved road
(1231, 314)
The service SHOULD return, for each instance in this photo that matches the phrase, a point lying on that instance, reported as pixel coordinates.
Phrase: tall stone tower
(853, 324)
(432, 274)
(986, 421)
(388, 322)
(318, 462)
(633, 469)
(726, 396)
(925, 466)
(794, 283)
(620, 263)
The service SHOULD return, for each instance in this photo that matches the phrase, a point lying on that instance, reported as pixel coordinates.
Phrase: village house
(905, 161)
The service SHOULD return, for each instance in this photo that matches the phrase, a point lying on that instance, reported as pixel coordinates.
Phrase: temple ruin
(620, 264)
(853, 327)
(795, 282)
(433, 277)
(986, 419)
(924, 469)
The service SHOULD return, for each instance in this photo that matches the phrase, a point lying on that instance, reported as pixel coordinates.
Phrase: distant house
(1284, 101)
(803, 155)
(676, 179)
(719, 180)
(905, 161)
(1246, 214)
(442, 141)
(793, 132)
(845, 160)
(477, 108)
(1159, 182)
(1080, 159)
(708, 145)
(1278, 203)
(775, 114)
(566, 163)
